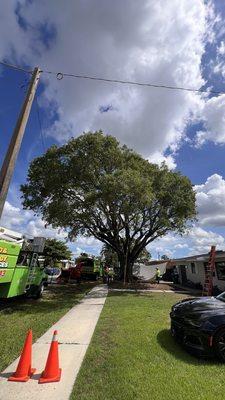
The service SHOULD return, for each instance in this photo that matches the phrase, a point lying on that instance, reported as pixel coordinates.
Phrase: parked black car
(199, 324)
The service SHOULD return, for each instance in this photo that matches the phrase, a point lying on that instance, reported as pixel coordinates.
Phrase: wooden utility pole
(14, 146)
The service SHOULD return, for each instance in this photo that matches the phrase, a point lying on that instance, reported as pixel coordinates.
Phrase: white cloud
(159, 158)
(181, 246)
(221, 48)
(213, 115)
(201, 240)
(210, 198)
(153, 43)
(196, 241)
(27, 223)
(88, 245)
(11, 216)
(218, 64)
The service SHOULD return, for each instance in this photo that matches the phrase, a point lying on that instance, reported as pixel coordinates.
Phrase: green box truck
(90, 267)
(21, 268)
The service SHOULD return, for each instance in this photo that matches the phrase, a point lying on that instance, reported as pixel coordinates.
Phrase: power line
(15, 67)
(61, 75)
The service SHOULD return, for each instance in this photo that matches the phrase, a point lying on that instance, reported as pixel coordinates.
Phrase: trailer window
(220, 270)
(206, 268)
(193, 270)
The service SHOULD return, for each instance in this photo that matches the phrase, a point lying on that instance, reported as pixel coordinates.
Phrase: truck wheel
(39, 291)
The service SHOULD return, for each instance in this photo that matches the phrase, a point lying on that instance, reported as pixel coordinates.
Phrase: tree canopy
(56, 250)
(94, 186)
(144, 255)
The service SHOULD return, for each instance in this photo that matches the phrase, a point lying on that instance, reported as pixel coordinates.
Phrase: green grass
(133, 356)
(18, 315)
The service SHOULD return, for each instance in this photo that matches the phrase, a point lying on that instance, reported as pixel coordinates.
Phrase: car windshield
(221, 297)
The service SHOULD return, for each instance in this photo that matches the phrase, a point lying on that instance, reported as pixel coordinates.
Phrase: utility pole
(14, 146)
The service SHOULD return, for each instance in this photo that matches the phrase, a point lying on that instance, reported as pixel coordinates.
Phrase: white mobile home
(191, 270)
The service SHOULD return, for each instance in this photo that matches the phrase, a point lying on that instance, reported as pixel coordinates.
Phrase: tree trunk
(126, 268)
(130, 265)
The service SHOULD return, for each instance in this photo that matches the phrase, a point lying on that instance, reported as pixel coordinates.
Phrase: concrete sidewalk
(75, 330)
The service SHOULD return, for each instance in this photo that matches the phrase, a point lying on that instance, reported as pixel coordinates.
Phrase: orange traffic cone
(24, 370)
(52, 372)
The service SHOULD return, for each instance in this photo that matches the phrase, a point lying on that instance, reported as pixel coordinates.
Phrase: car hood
(199, 304)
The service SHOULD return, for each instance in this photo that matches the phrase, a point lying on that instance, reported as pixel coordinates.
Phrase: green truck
(91, 268)
(21, 266)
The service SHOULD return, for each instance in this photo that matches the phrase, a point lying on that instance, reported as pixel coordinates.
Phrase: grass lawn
(19, 315)
(133, 356)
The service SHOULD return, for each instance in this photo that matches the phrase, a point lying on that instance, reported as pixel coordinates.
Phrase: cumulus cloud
(145, 42)
(196, 241)
(159, 158)
(25, 221)
(12, 216)
(30, 225)
(218, 64)
(210, 198)
(201, 240)
(221, 48)
(213, 116)
(181, 246)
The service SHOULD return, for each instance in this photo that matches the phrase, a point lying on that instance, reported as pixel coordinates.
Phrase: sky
(177, 43)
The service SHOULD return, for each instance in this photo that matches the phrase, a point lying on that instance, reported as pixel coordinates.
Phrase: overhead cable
(61, 75)
(15, 67)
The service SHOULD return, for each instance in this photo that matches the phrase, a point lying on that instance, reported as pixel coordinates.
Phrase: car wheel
(219, 344)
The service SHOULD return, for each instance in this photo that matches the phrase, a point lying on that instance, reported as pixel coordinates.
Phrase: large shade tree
(93, 186)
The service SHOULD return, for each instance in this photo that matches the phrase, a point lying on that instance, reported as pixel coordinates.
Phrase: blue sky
(181, 44)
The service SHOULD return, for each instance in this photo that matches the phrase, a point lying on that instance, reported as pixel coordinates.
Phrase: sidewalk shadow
(6, 375)
(167, 342)
(36, 377)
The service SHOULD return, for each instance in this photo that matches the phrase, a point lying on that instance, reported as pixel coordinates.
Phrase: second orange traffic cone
(52, 372)
(24, 370)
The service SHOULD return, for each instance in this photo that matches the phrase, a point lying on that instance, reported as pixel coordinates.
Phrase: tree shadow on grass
(54, 298)
(119, 293)
(167, 342)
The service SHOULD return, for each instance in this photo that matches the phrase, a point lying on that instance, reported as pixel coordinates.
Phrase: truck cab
(21, 272)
